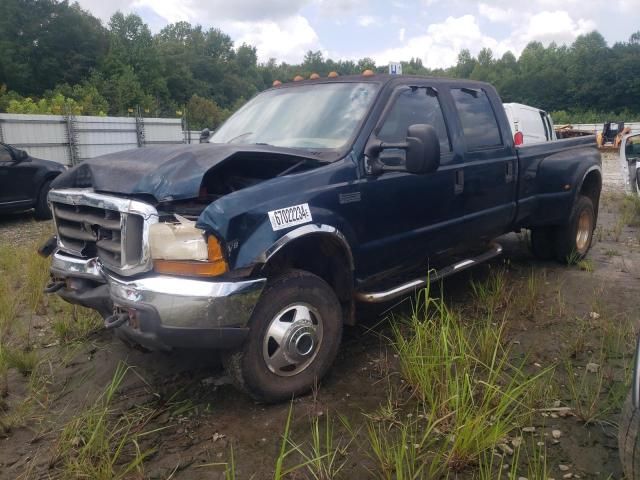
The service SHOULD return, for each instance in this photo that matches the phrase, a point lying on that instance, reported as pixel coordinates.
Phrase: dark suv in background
(25, 181)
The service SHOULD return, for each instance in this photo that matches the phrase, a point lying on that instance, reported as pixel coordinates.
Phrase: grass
(9, 305)
(37, 275)
(25, 361)
(467, 385)
(397, 452)
(491, 294)
(102, 443)
(290, 449)
(628, 215)
(325, 456)
(630, 210)
(500, 467)
(30, 409)
(537, 465)
(532, 290)
(74, 323)
(585, 389)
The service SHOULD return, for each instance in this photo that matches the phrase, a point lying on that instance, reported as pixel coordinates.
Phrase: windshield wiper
(295, 166)
(239, 136)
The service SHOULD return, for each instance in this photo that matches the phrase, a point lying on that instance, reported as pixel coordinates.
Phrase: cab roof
(384, 79)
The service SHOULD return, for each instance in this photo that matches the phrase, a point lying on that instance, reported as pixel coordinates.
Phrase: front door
(408, 219)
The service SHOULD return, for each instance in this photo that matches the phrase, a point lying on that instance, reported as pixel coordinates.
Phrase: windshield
(312, 116)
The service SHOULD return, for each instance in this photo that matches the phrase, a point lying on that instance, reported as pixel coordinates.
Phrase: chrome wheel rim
(584, 231)
(292, 339)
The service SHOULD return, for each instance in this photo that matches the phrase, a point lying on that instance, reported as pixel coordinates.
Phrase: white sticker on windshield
(290, 216)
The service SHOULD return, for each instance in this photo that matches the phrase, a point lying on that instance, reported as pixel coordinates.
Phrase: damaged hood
(168, 172)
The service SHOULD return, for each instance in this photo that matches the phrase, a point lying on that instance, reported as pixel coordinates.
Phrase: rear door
(490, 164)
(409, 218)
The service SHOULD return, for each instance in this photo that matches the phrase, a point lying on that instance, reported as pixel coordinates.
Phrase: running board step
(435, 275)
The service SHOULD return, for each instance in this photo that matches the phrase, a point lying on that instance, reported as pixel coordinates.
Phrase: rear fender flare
(580, 185)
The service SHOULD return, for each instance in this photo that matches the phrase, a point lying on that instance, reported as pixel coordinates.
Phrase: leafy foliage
(56, 55)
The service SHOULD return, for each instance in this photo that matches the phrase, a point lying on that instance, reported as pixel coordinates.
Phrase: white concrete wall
(47, 136)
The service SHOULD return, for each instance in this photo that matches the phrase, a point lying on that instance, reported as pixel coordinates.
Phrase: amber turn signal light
(190, 268)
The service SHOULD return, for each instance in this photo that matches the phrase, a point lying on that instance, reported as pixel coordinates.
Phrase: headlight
(183, 249)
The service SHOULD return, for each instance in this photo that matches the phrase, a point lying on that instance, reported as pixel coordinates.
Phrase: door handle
(508, 175)
(458, 187)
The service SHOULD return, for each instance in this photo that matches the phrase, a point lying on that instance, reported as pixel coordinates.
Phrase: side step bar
(435, 275)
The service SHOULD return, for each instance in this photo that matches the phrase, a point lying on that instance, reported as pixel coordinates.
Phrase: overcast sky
(433, 30)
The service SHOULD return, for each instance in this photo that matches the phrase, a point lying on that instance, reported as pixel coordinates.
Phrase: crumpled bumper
(160, 311)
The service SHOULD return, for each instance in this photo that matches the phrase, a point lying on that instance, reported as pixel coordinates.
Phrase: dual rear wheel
(567, 243)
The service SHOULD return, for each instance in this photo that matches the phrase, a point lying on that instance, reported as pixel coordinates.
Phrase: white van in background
(529, 124)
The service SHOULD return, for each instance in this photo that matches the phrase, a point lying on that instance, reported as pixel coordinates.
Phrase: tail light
(518, 138)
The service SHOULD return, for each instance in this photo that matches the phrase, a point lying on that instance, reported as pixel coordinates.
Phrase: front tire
(629, 441)
(574, 239)
(42, 210)
(634, 178)
(294, 337)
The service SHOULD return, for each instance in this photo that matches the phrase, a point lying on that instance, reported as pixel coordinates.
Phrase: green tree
(57, 104)
(466, 64)
(204, 113)
(47, 42)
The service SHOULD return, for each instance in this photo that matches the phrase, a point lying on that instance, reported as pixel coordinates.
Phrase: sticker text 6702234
(290, 216)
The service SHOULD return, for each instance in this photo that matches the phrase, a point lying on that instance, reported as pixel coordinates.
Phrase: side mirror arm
(372, 151)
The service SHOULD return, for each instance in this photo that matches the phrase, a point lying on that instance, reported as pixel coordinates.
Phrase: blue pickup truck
(314, 196)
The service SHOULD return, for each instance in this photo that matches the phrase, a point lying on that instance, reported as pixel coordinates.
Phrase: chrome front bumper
(175, 311)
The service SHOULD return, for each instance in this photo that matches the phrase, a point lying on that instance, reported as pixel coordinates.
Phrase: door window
(632, 148)
(477, 117)
(414, 106)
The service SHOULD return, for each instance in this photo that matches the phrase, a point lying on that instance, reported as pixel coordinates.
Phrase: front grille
(95, 232)
(113, 229)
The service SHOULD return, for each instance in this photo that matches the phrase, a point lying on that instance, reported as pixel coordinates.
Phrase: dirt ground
(198, 418)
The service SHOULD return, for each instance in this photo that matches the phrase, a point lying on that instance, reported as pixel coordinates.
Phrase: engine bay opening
(237, 173)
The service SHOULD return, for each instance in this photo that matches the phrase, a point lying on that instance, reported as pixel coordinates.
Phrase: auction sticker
(290, 216)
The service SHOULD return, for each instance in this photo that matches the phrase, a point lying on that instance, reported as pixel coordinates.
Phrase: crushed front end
(104, 259)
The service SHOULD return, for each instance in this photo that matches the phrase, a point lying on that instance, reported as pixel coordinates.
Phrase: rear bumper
(159, 311)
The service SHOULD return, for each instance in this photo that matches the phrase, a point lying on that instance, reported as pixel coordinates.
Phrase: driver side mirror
(204, 135)
(422, 149)
(21, 155)
(16, 154)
